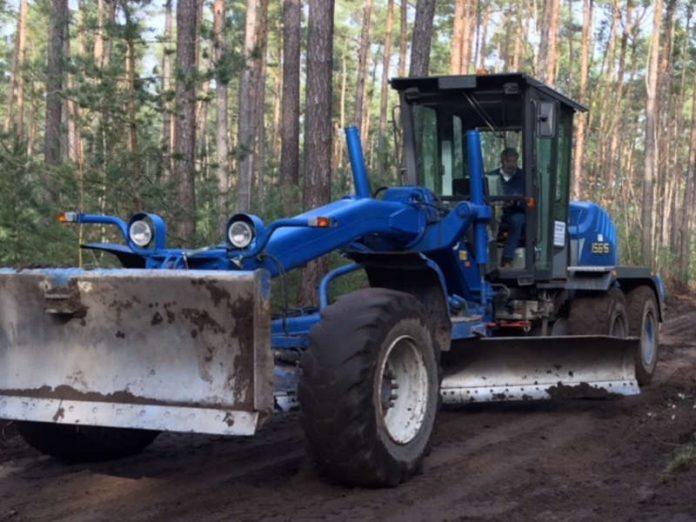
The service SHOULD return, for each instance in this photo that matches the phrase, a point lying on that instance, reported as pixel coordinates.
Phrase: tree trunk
(317, 189)
(260, 104)
(482, 49)
(68, 122)
(21, 53)
(16, 87)
(664, 176)
(579, 171)
(651, 139)
(342, 109)
(520, 40)
(33, 120)
(680, 138)
(247, 121)
(422, 36)
(384, 92)
(362, 67)
(167, 51)
(290, 151)
(133, 148)
(105, 51)
(99, 34)
(222, 78)
(505, 52)
(202, 107)
(467, 33)
(687, 211)
(54, 141)
(366, 114)
(249, 89)
(457, 35)
(277, 73)
(549, 42)
(184, 167)
(612, 157)
(403, 38)
(529, 17)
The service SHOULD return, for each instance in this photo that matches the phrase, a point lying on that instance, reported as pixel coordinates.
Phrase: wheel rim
(648, 341)
(403, 388)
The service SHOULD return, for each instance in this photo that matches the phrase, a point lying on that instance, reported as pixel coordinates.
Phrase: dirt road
(589, 460)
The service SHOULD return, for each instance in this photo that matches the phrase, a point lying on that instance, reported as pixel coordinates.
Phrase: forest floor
(581, 460)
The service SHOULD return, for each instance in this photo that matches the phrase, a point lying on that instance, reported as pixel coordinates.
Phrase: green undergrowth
(684, 457)
(286, 289)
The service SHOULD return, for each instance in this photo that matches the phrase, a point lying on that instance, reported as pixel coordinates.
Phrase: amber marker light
(320, 222)
(531, 203)
(67, 217)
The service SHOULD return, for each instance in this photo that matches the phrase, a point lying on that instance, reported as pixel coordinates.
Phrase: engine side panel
(593, 237)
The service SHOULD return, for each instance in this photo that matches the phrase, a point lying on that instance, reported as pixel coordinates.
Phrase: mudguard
(152, 349)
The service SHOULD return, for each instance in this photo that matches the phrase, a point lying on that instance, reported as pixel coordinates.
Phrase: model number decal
(601, 248)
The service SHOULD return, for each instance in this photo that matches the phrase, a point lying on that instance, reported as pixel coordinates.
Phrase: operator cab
(512, 112)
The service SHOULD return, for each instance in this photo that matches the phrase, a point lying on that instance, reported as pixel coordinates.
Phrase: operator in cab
(511, 183)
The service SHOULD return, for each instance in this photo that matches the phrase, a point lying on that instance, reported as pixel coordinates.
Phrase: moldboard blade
(525, 368)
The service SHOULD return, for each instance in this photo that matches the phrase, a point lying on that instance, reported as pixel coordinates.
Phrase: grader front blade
(151, 349)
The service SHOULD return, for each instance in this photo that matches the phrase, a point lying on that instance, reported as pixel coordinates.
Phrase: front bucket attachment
(525, 368)
(151, 349)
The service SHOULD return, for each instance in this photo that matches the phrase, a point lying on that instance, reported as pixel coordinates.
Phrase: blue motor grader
(95, 363)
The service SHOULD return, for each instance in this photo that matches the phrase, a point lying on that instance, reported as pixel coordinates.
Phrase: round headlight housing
(140, 233)
(240, 234)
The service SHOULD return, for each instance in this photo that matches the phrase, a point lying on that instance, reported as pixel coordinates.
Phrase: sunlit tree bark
(16, 88)
(317, 183)
(360, 88)
(651, 139)
(384, 92)
(249, 90)
(548, 46)
(167, 52)
(581, 119)
(457, 35)
(403, 37)
(222, 79)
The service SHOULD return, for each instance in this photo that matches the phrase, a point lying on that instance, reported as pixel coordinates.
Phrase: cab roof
(509, 83)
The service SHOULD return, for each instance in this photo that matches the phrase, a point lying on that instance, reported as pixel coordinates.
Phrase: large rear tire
(369, 392)
(599, 315)
(643, 322)
(84, 443)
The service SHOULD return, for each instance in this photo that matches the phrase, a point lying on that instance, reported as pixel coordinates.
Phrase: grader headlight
(140, 233)
(240, 234)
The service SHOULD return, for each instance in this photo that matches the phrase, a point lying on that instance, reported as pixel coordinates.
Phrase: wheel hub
(403, 388)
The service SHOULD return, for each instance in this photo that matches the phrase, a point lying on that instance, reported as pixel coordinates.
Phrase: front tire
(73, 443)
(369, 392)
(643, 323)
